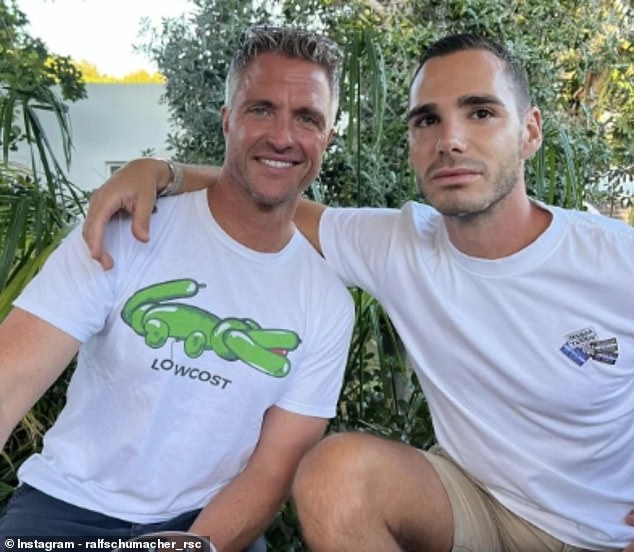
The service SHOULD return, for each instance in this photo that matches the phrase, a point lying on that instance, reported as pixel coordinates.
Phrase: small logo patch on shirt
(583, 344)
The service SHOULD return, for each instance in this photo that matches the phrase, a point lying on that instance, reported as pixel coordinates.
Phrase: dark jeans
(32, 513)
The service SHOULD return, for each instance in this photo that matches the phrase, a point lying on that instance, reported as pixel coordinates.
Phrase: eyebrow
(256, 102)
(314, 113)
(463, 101)
(424, 109)
(485, 99)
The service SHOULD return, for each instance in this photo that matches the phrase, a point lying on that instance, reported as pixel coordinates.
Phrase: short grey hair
(292, 43)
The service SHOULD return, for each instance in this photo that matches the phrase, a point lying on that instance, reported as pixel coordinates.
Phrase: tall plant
(37, 202)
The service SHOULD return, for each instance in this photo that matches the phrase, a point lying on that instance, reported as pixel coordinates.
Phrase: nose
(281, 135)
(451, 138)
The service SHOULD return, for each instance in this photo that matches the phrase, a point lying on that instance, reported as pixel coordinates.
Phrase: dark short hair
(290, 42)
(467, 41)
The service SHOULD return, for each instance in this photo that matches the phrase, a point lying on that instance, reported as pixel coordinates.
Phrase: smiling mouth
(276, 164)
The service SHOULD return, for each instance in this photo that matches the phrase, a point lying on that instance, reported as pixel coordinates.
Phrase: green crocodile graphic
(153, 313)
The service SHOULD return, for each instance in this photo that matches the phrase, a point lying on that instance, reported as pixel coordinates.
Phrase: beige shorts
(481, 523)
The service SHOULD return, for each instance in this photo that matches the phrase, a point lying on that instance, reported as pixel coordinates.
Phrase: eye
(482, 113)
(259, 110)
(307, 119)
(425, 120)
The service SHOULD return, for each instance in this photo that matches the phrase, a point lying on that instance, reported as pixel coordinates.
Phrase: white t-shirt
(527, 362)
(185, 344)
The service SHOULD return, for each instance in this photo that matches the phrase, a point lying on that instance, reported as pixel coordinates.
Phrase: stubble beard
(454, 204)
(265, 202)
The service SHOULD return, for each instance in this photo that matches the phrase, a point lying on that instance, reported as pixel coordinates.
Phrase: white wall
(115, 123)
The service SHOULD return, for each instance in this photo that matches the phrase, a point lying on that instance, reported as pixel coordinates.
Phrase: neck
(504, 229)
(261, 228)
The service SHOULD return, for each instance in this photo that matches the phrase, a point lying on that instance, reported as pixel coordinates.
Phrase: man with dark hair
(517, 318)
(209, 362)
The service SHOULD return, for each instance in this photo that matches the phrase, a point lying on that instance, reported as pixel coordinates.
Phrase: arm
(33, 355)
(307, 219)
(244, 508)
(134, 189)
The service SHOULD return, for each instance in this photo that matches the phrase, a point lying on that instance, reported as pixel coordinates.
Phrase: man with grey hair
(209, 362)
(257, 40)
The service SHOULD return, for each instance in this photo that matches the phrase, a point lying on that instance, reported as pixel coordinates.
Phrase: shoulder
(412, 212)
(169, 206)
(423, 217)
(596, 225)
(172, 214)
(605, 243)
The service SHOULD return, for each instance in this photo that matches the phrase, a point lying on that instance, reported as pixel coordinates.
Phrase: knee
(333, 481)
(330, 461)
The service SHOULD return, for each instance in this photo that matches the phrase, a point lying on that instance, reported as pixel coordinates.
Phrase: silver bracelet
(176, 178)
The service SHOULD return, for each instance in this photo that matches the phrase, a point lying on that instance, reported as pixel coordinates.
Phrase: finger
(141, 215)
(105, 260)
(629, 519)
(93, 233)
(93, 236)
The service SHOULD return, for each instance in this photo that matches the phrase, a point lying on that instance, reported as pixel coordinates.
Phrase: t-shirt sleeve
(71, 292)
(356, 244)
(317, 381)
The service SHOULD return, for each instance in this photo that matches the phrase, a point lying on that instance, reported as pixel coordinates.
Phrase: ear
(531, 133)
(224, 112)
(331, 136)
